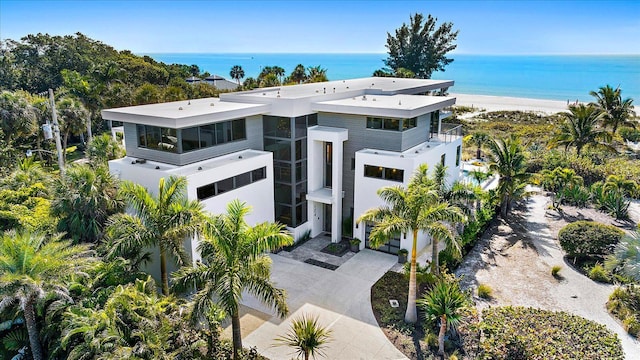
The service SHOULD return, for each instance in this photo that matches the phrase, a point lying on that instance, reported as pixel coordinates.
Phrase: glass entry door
(326, 223)
(328, 157)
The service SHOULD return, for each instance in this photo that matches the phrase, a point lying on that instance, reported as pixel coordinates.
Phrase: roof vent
(212, 104)
(364, 97)
(240, 157)
(374, 99)
(375, 152)
(263, 94)
(180, 108)
(199, 168)
(347, 87)
(334, 90)
(278, 96)
(401, 156)
(157, 167)
(189, 102)
(399, 102)
(417, 152)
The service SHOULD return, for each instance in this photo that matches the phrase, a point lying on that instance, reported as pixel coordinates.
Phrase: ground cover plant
(528, 333)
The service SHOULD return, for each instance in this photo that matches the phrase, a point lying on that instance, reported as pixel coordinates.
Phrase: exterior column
(336, 191)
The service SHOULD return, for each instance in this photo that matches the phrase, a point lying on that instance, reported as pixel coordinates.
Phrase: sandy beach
(497, 103)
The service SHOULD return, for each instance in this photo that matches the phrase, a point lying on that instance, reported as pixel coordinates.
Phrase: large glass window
(194, 138)
(232, 183)
(380, 172)
(277, 126)
(281, 149)
(390, 124)
(190, 139)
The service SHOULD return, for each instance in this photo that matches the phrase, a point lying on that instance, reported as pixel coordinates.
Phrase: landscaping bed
(528, 333)
(410, 338)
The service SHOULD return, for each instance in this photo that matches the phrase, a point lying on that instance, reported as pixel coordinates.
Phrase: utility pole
(56, 131)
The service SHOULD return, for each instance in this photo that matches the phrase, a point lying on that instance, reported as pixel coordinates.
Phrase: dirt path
(515, 260)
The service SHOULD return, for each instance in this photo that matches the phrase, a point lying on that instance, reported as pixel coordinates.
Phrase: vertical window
(190, 139)
(442, 159)
(353, 163)
(239, 129)
(458, 155)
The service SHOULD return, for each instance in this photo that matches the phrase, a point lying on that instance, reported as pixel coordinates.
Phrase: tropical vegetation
(306, 336)
(233, 261)
(414, 209)
(528, 333)
(419, 48)
(164, 219)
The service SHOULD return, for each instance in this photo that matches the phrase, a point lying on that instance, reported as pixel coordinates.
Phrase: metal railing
(448, 132)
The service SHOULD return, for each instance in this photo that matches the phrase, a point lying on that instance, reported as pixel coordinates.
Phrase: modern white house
(310, 156)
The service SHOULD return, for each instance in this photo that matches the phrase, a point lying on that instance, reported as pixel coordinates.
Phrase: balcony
(448, 133)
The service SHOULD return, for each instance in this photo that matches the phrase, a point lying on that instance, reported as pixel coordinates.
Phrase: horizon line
(375, 53)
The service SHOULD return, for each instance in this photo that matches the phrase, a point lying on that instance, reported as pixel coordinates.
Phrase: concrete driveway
(341, 299)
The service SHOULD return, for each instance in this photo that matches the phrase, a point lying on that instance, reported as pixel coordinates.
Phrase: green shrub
(589, 240)
(599, 273)
(555, 270)
(485, 291)
(528, 333)
(630, 134)
(624, 303)
(578, 196)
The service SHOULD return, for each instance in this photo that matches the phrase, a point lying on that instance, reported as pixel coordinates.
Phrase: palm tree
(459, 193)
(237, 73)
(32, 266)
(85, 198)
(234, 260)
(306, 336)
(616, 111)
(72, 116)
(317, 74)
(581, 129)
(103, 148)
(162, 220)
(278, 71)
(510, 164)
(299, 74)
(417, 208)
(559, 180)
(445, 302)
(479, 139)
(626, 256)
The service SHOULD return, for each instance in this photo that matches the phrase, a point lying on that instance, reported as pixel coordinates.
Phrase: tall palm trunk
(163, 272)
(411, 316)
(237, 336)
(443, 330)
(32, 329)
(435, 268)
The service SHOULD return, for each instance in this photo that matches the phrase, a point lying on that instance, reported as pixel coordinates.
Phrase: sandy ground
(515, 258)
(496, 103)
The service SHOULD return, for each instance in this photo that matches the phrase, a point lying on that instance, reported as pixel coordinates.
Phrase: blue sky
(486, 27)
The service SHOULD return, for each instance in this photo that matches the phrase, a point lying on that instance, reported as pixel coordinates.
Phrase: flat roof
(402, 106)
(184, 113)
(371, 85)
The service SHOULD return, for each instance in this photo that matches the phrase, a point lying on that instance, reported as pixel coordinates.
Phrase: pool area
(467, 177)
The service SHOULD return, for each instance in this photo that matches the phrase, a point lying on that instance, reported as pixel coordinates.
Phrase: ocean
(557, 77)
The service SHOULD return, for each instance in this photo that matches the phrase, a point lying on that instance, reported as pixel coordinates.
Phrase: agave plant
(306, 336)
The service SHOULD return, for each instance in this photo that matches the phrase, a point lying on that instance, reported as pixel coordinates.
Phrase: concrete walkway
(341, 299)
(577, 293)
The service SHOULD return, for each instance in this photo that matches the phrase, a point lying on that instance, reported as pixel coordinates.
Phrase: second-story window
(390, 124)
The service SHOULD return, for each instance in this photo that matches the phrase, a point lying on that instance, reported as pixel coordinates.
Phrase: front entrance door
(326, 224)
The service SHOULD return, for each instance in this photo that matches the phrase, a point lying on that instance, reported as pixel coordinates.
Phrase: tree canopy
(420, 47)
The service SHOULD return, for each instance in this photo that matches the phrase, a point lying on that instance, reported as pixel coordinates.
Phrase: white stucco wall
(365, 189)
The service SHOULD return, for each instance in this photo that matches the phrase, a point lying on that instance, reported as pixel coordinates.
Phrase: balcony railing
(448, 132)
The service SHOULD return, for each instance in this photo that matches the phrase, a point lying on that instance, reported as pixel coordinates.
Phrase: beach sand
(497, 103)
